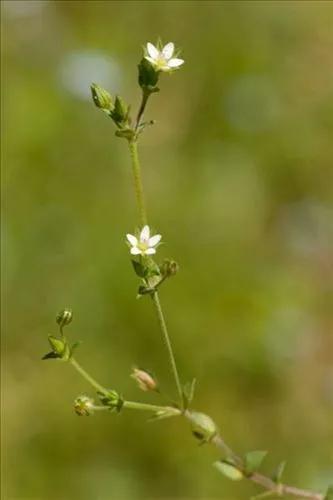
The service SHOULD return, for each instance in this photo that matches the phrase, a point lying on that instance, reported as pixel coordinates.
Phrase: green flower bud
(148, 76)
(169, 268)
(120, 112)
(84, 406)
(203, 427)
(64, 317)
(101, 98)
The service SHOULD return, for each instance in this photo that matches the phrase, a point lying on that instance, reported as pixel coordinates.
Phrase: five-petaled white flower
(162, 59)
(145, 244)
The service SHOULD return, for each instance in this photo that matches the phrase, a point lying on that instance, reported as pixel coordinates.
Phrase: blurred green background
(238, 178)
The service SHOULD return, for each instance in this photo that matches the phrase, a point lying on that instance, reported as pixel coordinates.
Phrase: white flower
(162, 60)
(144, 245)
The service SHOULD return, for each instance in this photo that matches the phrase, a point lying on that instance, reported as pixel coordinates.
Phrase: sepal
(111, 399)
(148, 76)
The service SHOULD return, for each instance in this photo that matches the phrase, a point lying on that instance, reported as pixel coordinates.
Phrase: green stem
(167, 342)
(143, 219)
(134, 405)
(133, 146)
(256, 477)
(100, 408)
(89, 378)
(145, 96)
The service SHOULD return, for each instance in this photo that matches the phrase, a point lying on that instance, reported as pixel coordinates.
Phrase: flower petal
(175, 62)
(165, 68)
(153, 52)
(152, 242)
(132, 239)
(168, 50)
(150, 59)
(135, 251)
(150, 251)
(145, 233)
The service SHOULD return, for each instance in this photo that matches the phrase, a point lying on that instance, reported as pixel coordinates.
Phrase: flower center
(161, 61)
(143, 246)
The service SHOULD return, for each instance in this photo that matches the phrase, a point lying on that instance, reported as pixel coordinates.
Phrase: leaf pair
(60, 349)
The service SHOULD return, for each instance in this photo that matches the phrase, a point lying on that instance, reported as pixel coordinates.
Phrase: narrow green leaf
(51, 355)
(162, 414)
(229, 470)
(277, 475)
(144, 290)
(75, 346)
(253, 460)
(188, 393)
(58, 345)
(126, 133)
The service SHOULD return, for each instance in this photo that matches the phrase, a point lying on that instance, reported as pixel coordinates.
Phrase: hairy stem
(167, 342)
(136, 169)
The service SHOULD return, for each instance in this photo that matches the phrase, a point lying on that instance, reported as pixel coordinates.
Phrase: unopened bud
(64, 317)
(84, 406)
(169, 268)
(203, 427)
(144, 379)
(101, 98)
(120, 112)
(148, 76)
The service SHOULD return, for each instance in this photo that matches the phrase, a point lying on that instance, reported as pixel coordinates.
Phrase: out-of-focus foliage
(238, 175)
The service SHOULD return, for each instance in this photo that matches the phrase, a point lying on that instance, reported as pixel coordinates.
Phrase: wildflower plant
(143, 247)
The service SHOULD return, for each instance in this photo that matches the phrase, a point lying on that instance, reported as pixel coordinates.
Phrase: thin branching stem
(264, 481)
(131, 405)
(135, 405)
(167, 342)
(270, 487)
(136, 168)
(98, 387)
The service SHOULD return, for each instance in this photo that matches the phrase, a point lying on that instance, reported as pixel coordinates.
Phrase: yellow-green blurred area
(238, 179)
